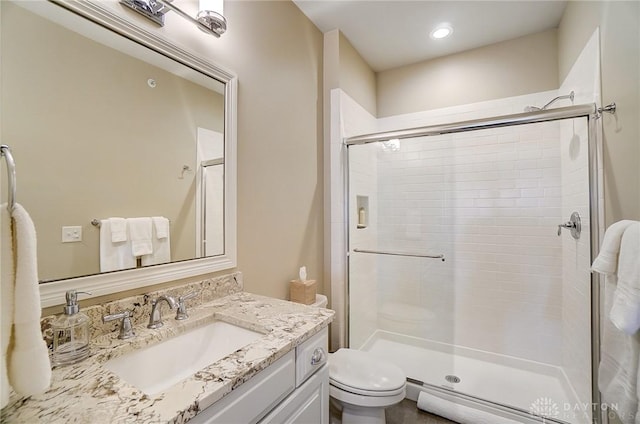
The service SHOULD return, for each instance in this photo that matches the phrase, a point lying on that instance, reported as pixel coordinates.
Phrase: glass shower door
(506, 316)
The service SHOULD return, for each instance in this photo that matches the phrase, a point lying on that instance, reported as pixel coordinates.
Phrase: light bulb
(441, 31)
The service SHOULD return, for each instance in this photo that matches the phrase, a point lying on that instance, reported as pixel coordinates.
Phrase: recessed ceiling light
(441, 31)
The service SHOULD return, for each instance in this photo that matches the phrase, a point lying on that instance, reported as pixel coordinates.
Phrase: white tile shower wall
(584, 80)
(363, 292)
(490, 201)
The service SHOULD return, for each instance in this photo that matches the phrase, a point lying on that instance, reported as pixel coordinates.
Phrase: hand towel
(161, 226)
(114, 256)
(118, 229)
(625, 312)
(607, 260)
(161, 245)
(28, 358)
(140, 234)
(7, 279)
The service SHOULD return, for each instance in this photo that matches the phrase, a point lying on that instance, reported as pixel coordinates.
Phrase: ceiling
(389, 34)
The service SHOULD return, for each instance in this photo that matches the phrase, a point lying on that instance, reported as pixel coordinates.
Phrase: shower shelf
(362, 205)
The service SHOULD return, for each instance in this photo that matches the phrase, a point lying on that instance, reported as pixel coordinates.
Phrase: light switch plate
(71, 234)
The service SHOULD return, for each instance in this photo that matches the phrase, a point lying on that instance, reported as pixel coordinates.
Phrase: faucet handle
(126, 329)
(181, 312)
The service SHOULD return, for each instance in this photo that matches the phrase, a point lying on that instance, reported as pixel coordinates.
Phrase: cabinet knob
(318, 356)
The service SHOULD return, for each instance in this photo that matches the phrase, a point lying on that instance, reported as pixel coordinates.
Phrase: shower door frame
(589, 111)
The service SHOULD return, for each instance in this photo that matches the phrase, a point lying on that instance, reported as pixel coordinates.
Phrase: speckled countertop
(88, 393)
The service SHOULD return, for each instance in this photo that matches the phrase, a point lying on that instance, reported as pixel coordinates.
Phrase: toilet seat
(363, 392)
(358, 372)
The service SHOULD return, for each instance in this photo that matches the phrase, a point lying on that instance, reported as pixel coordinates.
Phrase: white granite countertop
(88, 393)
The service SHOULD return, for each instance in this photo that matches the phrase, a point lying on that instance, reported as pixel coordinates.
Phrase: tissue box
(303, 291)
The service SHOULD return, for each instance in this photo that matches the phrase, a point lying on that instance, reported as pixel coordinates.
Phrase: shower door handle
(413, 255)
(573, 224)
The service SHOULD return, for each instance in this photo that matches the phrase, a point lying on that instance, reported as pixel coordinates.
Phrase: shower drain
(452, 378)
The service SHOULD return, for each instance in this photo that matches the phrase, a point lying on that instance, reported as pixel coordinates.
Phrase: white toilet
(363, 386)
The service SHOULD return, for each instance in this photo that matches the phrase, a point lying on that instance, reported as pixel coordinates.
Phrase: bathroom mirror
(107, 120)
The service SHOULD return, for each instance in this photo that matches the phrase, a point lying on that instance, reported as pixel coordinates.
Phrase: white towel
(161, 243)
(607, 260)
(140, 234)
(28, 362)
(625, 312)
(457, 412)
(161, 225)
(7, 279)
(619, 369)
(114, 256)
(118, 229)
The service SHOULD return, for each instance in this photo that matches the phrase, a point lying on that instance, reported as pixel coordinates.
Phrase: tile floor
(406, 412)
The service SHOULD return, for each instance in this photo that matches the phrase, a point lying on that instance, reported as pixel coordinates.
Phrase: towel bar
(413, 255)
(11, 171)
(96, 222)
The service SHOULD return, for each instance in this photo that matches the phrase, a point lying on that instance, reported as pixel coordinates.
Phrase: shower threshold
(501, 385)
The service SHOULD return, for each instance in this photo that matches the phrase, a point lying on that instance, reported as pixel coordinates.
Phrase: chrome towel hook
(11, 171)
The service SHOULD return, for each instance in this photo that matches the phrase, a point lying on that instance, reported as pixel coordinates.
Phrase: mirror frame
(93, 13)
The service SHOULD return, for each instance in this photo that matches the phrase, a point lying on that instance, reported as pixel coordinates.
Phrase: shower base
(501, 385)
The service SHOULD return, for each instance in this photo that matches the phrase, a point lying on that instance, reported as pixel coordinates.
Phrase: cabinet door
(309, 404)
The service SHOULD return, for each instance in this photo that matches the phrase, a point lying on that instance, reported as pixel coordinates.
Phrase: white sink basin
(158, 367)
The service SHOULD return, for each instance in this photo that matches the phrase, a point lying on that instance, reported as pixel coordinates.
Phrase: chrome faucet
(155, 319)
(181, 311)
(126, 329)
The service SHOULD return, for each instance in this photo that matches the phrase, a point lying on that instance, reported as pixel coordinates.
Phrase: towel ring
(11, 171)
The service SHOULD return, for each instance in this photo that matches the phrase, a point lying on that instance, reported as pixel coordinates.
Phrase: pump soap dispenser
(70, 333)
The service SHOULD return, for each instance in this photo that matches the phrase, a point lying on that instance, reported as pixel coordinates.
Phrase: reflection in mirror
(103, 127)
(209, 191)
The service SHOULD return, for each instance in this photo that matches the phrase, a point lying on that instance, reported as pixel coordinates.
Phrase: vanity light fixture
(441, 31)
(210, 17)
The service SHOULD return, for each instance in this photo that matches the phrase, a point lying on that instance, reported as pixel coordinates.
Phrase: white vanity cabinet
(294, 389)
(307, 404)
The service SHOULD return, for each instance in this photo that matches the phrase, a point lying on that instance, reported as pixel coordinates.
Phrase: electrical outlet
(71, 234)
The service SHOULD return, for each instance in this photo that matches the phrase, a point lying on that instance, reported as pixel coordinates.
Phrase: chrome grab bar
(11, 170)
(413, 255)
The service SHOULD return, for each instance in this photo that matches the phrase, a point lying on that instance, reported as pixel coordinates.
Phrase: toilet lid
(361, 371)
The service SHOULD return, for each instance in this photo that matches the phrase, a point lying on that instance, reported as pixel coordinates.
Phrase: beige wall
(510, 68)
(619, 23)
(277, 54)
(71, 113)
(356, 76)
(344, 68)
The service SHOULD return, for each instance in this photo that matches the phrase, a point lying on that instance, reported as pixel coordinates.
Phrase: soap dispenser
(70, 333)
